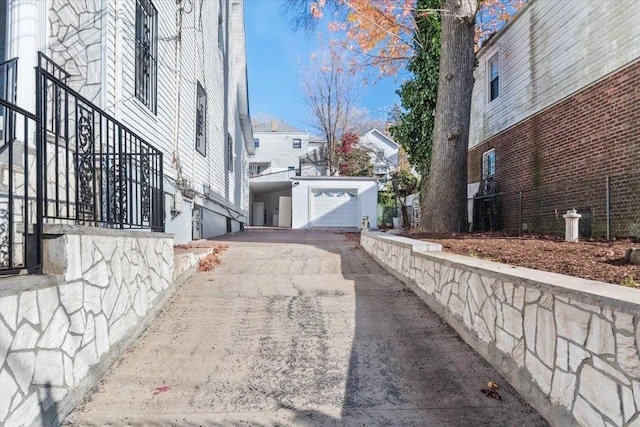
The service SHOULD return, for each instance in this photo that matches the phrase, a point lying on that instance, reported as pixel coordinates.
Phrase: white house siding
(94, 40)
(277, 148)
(375, 140)
(551, 50)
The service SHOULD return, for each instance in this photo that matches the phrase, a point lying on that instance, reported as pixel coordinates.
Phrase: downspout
(177, 79)
(225, 136)
(225, 56)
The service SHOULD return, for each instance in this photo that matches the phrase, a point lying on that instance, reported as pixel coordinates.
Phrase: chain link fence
(610, 207)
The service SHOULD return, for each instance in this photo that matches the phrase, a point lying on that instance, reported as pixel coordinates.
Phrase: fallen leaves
(492, 390)
(212, 259)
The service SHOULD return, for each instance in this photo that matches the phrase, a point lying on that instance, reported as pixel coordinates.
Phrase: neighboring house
(555, 116)
(278, 147)
(384, 153)
(147, 75)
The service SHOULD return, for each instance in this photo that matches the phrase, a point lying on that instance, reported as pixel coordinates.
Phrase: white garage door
(334, 208)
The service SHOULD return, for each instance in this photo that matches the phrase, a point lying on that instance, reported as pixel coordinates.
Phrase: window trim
(256, 142)
(146, 84)
(299, 143)
(201, 138)
(485, 163)
(230, 153)
(493, 59)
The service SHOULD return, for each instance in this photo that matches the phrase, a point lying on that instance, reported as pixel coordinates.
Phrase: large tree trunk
(444, 208)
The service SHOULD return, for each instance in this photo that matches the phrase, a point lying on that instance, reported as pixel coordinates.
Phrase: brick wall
(559, 158)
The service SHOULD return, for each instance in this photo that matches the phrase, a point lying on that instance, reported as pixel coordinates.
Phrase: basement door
(334, 208)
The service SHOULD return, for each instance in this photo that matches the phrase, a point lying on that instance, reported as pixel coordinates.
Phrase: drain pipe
(176, 97)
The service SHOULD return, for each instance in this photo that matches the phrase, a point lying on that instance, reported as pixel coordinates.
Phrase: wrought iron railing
(20, 220)
(96, 170)
(9, 80)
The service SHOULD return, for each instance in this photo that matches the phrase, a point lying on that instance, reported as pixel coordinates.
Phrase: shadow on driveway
(301, 328)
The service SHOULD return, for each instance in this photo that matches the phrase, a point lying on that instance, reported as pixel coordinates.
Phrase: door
(334, 208)
(258, 214)
(284, 212)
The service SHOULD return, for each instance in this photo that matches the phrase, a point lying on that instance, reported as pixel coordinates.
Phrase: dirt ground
(595, 260)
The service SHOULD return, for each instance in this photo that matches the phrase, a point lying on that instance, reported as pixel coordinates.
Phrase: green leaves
(414, 123)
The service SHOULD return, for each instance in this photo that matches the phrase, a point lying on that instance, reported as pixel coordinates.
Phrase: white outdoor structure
(340, 202)
(197, 68)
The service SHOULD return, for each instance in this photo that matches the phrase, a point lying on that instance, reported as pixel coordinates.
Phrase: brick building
(555, 120)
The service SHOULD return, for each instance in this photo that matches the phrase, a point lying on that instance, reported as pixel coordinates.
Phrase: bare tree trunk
(444, 207)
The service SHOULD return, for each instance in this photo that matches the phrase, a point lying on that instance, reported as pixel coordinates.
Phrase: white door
(284, 211)
(258, 214)
(334, 208)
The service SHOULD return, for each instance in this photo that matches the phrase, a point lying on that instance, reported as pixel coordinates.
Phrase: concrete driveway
(299, 328)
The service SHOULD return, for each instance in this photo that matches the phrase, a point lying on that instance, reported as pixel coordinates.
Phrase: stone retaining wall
(59, 333)
(569, 346)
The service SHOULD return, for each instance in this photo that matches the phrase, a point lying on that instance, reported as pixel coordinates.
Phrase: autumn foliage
(352, 159)
(381, 33)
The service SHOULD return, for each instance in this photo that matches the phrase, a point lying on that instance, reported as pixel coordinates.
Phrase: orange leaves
(381, 32)
(316, 8)
(492, 15)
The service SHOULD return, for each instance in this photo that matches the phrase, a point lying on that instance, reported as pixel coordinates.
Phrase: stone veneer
(59, 333)
(569, 346)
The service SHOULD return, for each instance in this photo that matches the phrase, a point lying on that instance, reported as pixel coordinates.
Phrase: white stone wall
(58, 338)
(75, 43)
(576, 341)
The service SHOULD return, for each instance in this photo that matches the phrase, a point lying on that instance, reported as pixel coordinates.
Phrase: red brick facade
(560, 158)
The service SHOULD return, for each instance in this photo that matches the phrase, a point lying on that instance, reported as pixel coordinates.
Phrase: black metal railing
(9, 80)
(20, 222)
(96, 170)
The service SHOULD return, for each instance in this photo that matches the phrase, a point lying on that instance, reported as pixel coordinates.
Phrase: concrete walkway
(299, 328)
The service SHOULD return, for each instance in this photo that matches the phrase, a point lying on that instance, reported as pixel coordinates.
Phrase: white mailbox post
(571, 218)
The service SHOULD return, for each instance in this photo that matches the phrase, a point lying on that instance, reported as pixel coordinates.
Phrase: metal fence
(610, 207)
(20, 222)
(385, 216)
(96, 171)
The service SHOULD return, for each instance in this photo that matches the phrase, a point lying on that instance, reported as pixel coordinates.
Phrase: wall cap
(574, 287)
(84, 230)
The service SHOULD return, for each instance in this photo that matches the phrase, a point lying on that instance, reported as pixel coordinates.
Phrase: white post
(571, 218)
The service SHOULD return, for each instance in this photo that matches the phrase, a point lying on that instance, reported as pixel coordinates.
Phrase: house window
(488, 164)
(146, 53)
(229, 153)
(201, 121)
(256, 142)
(297, 143)
(494, 78)
(291, 168)
(380, 154)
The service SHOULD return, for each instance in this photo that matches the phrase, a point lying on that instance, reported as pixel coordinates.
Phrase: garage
(334, 207)
(333, 202)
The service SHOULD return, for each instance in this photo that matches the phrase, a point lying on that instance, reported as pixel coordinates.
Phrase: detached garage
(338, 202)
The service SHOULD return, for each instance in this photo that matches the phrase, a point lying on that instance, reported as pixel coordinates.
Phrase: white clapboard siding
(277, 148)
(549, 52)
(200, 61)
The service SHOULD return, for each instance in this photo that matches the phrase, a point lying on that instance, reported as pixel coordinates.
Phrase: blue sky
(276, 56)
